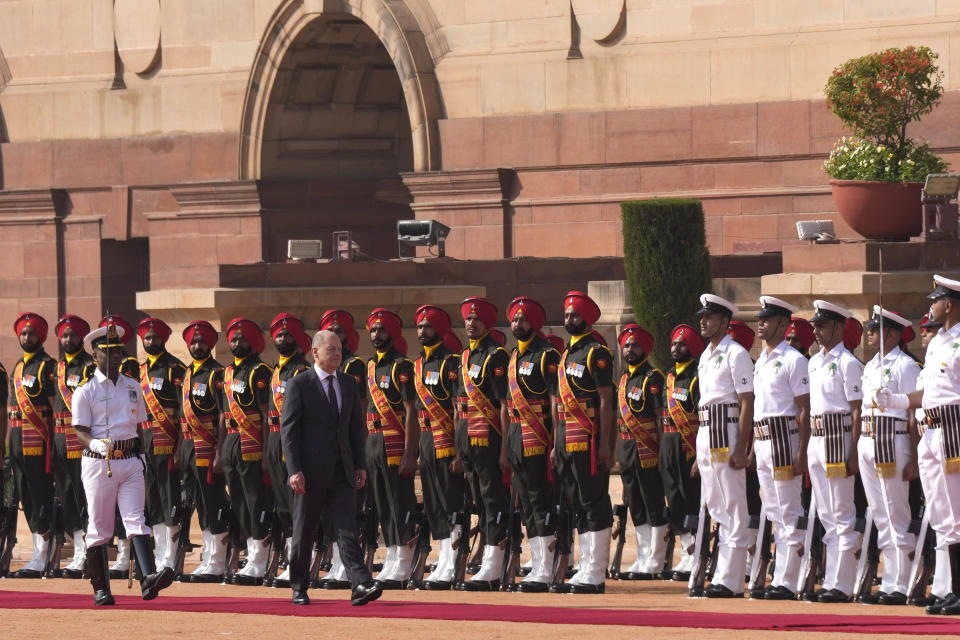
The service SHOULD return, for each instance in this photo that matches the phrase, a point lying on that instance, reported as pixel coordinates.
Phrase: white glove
(885, 399)
(98, 447)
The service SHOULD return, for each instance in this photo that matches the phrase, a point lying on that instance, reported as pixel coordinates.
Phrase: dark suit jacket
(311, 435)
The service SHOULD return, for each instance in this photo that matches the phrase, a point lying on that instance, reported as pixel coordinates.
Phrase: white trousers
(125, 490)
(724, 489)
(889, 498)
(834, 497)
(781, 498)
(942, 490)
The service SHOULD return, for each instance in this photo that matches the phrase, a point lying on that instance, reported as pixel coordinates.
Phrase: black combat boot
(99, 575)
(152, 581)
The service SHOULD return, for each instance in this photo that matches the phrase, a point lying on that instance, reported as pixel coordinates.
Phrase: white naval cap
(896, 318)
(715, 304)
(829, 311)
(102, 337)
(945, 287)
(770, 306)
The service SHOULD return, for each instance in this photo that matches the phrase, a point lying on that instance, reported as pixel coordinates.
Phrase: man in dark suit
(322, 431)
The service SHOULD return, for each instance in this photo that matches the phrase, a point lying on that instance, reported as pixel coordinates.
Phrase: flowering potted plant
(878, 174)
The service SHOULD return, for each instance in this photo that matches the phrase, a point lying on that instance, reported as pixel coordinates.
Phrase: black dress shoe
(278, 583)
(925, 601)
(389, 585)
(203, 578)
(247, 581)
(28, 574)
(300, 597)
(759, 594)
(331, 584)
(481, 585)
(588, 588)
(415, 585)
(895, 598)
(680, 576)
(366, 592)
(937, 607)
(156, 582)
(698, 592)
(532, 587)
(720, 591)
(437, 585)
(118, 574)
(811, 596)
(833, 596)
(103, 598)
(635, 575)
(950, 608)
(563, 587)
(71, 574)
(871, 598)
(779, 592)
(524, 571)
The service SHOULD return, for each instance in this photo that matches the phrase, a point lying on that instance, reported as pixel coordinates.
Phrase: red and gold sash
(391, 423)
(74, 448)
(165, 439)
(440, 421)
(686, 423)
(579, 427)
(648, 448)
(204, 437)
(251, 440)
(536, 436)
(35, 439)
(484, 414)
(277, 388)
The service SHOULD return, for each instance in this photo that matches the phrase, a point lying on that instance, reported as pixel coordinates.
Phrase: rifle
(421, 547)
(368, 529)
(564, 544)
(462, 520)
(9, 509)
(924, 560)
(702, 556)
(233, 557)
(277, 549)
(761, 554)
(812, 550)
(868, 561)
(51, 567)
(182, 515)
(620, 534)
(668, 557)
(316, 564)
(512, 546)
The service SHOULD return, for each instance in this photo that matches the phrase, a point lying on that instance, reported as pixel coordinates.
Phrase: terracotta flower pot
(879, 210)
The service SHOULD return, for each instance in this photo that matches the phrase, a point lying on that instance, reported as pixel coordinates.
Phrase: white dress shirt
(724, 373)
(323, 375)
(900, 375)
(779, 377)
(941, 384)
(835, 381)
(100, 403)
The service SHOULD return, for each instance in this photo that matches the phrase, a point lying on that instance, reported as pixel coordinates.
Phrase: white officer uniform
(101, 405)
(780, 377)
(885, 432)
(724, 372)
(835, 382)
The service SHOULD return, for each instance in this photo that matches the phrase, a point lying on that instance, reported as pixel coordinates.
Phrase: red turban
(598, 337)
(908, 334)
(206, 331)
(741, 333)
(353, 341)
(119, 321)
(641, 335)
(498, 337)
(583, 305)
(452, 342)
(802, 331)
(286, 321)
(486, 311)
(436, 318)
(691, 338)
(343, 319)
(401, 345)
(556, 341)
(249, 330)
(389, 321)
(159, 326)
(35, 322)
(531, 310)
(78, 324)
(303, 341)
(852, 333)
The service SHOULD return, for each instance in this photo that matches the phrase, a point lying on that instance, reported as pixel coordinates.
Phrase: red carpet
(825, 623)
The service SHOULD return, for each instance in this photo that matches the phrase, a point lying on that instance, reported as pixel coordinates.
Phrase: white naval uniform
(889, 498)
(835, 382)
(780, 377)
(724, 373)
(941, 387)
(93, 403)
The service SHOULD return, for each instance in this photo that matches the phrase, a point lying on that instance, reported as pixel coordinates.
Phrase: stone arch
(395, 25)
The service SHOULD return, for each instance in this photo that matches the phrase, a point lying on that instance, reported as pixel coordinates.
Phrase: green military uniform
(72, 371)
(282, 495)
(681, 397)
(355, 366)
(163, 376)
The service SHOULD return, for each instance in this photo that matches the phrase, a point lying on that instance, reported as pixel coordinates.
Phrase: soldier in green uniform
(392, 443)
(291, 343)
(243, 430)
(72, 371)
(199, 422)
(585, 436)
(678, 442)
(532, 387)
(436, 376)
(638, 451)
(161, 379)
(479, 433)
(32, 387)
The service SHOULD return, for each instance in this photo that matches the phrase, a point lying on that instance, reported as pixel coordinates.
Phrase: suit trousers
(340, 502)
